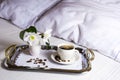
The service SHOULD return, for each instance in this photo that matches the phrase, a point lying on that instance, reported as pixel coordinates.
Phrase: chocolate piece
(37, 58)
(45, 59)
(40, 60)
(68, 60)
(57, 58)
(46, 66)
(33, 59)
(35, 63)
(43, 63)
(29, 61)
(63, 60)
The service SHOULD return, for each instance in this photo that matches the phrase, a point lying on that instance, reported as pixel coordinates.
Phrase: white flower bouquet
(35, 39)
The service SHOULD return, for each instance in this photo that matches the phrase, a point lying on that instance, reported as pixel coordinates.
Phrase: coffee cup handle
(76, 51)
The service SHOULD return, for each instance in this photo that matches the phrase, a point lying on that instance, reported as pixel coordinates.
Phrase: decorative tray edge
(11, 49)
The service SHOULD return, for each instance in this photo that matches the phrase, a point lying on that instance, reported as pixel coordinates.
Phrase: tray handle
(9, 51)
(90, 54)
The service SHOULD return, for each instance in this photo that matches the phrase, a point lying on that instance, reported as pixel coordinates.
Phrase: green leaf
(30, 29)
(48, 45)
(21, 34)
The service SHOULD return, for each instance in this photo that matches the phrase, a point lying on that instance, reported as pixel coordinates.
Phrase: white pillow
(94, 28)
(24, 12)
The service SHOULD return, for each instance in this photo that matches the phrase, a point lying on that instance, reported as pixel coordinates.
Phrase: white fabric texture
(91, 23)
(23, 13)
(86, 23)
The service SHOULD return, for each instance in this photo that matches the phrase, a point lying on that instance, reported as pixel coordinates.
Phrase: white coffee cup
(66, 51)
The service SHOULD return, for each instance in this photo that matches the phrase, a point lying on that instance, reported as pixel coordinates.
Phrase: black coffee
(66, 47)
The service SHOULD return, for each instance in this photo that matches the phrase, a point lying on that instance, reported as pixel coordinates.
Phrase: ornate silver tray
(18, 58)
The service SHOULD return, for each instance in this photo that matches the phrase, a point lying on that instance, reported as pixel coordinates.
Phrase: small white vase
(35, 50)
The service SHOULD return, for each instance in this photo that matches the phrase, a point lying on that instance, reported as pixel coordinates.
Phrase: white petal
(48, 31)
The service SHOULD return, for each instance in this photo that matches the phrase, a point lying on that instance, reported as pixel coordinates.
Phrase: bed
(95, 27)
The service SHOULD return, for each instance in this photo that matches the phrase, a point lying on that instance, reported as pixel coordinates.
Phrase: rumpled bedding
(24, 13)
(91, 23)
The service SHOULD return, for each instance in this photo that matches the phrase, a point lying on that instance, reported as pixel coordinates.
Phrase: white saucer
(67, 62)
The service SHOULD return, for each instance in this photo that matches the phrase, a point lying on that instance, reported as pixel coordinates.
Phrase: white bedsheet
(103, 68)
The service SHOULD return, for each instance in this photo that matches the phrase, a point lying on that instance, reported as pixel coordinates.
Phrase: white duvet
(91, 23)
